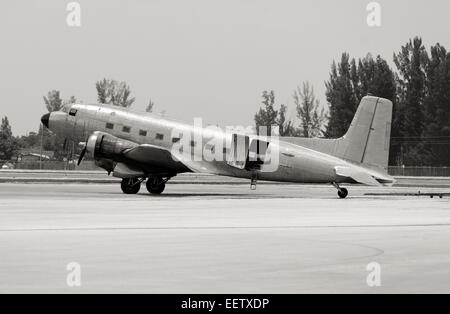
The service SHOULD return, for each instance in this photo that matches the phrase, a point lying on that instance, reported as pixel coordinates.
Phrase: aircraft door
(239, 151)
(247, 154)
(257, 154)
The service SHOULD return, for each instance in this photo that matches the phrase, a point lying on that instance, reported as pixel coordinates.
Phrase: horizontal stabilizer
(357, 175)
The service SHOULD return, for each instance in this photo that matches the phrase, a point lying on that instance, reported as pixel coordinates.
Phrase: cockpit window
(73, 112)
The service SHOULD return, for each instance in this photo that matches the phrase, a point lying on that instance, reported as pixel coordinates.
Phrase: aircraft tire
(343, 193)
(155, 188)
(130, 186)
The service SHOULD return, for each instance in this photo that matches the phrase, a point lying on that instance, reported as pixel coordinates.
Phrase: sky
(195, 58)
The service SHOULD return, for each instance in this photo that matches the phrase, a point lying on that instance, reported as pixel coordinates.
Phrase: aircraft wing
(155, 156)
(197, 166)
(162, 158)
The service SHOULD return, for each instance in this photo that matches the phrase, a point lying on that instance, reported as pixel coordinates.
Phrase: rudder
(368, 138)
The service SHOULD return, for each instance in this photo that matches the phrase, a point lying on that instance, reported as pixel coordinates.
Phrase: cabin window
(175, 139)
(159, 136)
(73, 112)
(126, 129)
(142, 133)
(110, 126)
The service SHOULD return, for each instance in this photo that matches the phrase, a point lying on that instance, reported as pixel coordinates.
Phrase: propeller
(83, 152)
(89, 145)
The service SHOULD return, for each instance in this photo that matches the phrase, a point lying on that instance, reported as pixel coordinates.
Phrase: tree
(286, 127)
(53, 101)
(349, 82)
(411, 63)
(267, 116)
(51, 142)
(71, 100)
(8, 144)
(312, 119)
(32, 140)
(437, 107)
(114, 92)
(150, 106)
(341, 97)
(375, 77)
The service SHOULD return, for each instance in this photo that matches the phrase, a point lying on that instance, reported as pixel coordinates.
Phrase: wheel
(343, 193)
(156, 189)
(130, 186)
(155, 185)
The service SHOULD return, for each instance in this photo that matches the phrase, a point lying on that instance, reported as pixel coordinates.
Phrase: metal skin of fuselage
(296, 164)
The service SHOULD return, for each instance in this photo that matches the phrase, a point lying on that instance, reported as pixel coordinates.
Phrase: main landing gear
(155, 185)
(131, 185)
(254, 181)
(342, 192)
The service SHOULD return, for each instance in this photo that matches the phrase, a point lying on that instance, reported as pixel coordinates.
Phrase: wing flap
(198, 166)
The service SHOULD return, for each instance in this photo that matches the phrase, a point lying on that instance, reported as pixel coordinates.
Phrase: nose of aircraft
(45, 118)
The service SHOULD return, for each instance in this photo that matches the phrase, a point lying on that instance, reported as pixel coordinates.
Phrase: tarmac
(225, 238)
(100, 177)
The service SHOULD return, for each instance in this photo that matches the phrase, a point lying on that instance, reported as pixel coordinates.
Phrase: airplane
(139, 147)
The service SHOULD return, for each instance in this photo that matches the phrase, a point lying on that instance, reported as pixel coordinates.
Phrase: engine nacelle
(105, 146)
(106, 164)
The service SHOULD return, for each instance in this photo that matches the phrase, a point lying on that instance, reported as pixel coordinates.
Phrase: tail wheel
(131, 186)
(343, 193)
(156, 185)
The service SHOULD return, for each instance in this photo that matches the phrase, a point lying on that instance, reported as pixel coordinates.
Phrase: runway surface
(222, 239)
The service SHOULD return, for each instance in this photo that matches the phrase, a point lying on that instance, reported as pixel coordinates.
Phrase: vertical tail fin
(368, 138)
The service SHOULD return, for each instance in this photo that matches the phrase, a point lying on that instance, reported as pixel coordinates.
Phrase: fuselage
(294, 163)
